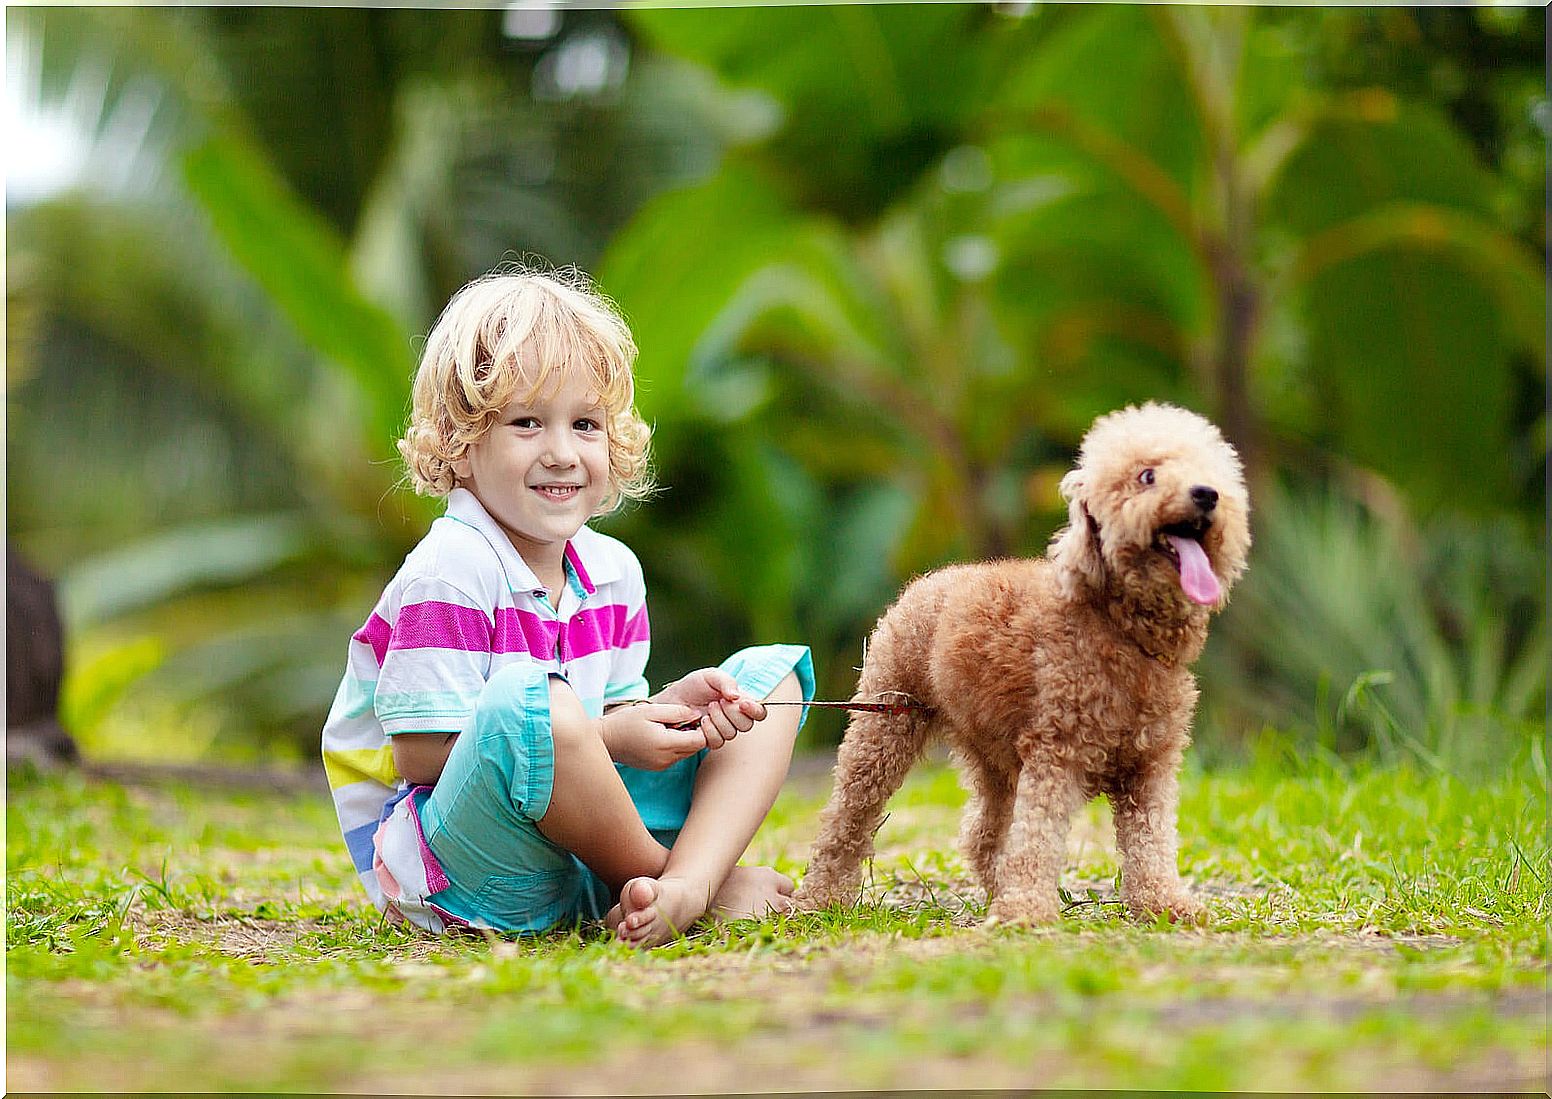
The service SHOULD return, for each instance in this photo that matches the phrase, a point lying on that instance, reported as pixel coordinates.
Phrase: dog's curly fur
(1054, 680)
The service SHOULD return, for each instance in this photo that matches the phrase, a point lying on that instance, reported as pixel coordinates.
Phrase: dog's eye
(1146, 476)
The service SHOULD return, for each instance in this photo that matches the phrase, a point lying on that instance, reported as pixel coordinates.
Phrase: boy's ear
(461, 467)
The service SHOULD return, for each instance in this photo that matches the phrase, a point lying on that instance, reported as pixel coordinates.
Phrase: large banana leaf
(1369, 148)
(1110, 75)
(156, 569)
(871, 94)
(304, 267)
(675, 267)
(1415, 363)
(1415, 304)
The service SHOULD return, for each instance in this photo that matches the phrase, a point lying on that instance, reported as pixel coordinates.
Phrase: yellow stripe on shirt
(347, 765)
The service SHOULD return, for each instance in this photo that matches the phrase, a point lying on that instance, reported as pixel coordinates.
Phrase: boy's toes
(657, 910)
(637, 908)
(785, 889)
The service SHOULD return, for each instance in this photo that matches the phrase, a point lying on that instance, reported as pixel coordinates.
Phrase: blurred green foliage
(1422, 641)
(882, 279)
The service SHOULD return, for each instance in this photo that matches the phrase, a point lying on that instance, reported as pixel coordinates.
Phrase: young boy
(494, 755)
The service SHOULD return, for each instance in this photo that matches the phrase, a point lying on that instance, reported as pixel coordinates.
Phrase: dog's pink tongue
(1196, 574)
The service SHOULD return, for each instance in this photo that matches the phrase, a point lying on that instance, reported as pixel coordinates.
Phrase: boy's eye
(585, 424)
(525, 422)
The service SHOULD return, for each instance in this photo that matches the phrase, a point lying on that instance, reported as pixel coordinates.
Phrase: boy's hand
(643, 736)
(724, 710)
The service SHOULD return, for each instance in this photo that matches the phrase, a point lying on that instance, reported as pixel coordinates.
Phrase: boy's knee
(519, 693)
(512, 692)
(790, 689)
(570, 724)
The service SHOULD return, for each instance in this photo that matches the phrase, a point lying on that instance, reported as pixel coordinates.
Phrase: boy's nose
(558, 450)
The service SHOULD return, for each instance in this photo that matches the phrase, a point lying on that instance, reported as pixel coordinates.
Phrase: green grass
(1374, 929)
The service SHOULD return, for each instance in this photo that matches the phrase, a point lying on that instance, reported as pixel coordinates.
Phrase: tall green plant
(1360, 629)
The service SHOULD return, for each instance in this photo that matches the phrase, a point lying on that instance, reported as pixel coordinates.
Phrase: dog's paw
(1177, 908)
(813, 898)
(1023, 910)
(806, 902)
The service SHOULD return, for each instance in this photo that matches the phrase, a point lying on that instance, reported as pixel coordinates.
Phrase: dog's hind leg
(878, 752)
(984, 827)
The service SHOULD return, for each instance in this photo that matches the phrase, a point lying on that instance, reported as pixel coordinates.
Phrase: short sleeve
(437, 660)
(632, 640)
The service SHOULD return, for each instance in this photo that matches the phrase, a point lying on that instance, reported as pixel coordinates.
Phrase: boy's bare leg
(734, 790)
(591, 813)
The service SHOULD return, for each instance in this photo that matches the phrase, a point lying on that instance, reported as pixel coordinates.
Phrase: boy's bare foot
(752, 892)
(653, 911)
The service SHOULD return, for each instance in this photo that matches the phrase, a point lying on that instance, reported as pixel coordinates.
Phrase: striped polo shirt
(463, 606)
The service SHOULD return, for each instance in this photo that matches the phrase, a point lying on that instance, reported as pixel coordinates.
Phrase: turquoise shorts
(480, 820)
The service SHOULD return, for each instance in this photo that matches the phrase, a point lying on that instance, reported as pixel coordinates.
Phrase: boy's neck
(554, 582)
(547, 561)
(550, 571)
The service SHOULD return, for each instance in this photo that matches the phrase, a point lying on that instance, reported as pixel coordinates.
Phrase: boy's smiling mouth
(558, 492)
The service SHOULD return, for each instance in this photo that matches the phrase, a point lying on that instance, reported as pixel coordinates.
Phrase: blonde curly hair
(518, 331)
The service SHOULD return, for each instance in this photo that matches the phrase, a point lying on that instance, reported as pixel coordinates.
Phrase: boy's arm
(435, 666)
(631, 643)
(420, 757)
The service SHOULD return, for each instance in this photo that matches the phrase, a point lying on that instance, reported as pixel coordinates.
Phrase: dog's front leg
(1147, 838)
(1031, 862)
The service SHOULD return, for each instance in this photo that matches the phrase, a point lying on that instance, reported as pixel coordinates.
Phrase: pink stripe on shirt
(438, 625)
(576, 566)
(524, 632)
(375, 633)
(634, 630)
(601, 628)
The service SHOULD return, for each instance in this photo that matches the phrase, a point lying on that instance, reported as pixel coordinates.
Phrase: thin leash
(899, 702)
(904, 705)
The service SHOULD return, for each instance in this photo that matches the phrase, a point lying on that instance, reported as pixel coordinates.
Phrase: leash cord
(904, 706)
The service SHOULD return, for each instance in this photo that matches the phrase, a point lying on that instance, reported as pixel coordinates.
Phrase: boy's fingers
(718, 717)
(686, 742)
(752, 709)
(671, 714)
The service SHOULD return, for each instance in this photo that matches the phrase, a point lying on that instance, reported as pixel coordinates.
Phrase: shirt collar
(586, 553)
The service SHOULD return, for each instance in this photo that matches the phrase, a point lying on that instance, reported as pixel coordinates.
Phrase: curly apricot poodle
(1057, 679)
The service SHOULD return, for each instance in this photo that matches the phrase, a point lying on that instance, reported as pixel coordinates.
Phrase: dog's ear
(1075, 548)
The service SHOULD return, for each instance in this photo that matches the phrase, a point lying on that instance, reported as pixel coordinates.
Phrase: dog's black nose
(1204, 497)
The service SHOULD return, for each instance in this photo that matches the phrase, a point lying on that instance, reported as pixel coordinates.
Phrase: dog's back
(938, 613)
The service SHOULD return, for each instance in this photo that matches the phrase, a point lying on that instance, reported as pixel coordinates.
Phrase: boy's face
(543, 469)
